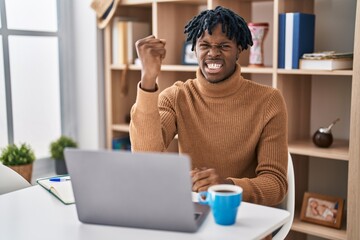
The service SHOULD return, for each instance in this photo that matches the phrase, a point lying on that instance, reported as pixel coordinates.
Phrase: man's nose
(214, 51)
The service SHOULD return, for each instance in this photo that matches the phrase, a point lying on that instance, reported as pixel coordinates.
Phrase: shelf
(339, 149)
(167, 19)
(262, 70)
(265, 70)
(120, 127)
(171, 68)
(318, 230)
(315, 72)
(189, 68)
(197, 2)
(123, 66)
(135, 2)
(179, 68)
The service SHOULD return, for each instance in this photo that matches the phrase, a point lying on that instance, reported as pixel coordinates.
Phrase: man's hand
(203, 178)
(151, 52)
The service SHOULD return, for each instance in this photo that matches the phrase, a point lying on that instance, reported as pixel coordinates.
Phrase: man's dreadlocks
(232, 24)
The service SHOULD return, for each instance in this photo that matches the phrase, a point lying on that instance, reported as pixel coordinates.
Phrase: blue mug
(224, 200)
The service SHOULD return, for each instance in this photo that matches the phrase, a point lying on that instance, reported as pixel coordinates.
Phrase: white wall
(88, 93)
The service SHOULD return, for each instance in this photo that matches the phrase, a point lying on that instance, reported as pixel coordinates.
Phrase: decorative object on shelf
(124, 86)
(323, 136)
(105, 10)
(20, 159)
(258, 33)
(296, 37)
(57, 153)
(322, 209)
(188, 56)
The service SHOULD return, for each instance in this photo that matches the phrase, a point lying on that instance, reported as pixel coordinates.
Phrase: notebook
(62, 190)
(141, 190)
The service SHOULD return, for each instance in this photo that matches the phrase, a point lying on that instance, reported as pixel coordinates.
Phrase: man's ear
(238, 52)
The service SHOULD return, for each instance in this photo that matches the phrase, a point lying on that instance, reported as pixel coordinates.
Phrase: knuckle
(203, 189)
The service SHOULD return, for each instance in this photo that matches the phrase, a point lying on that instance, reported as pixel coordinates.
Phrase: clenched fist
(151, 51)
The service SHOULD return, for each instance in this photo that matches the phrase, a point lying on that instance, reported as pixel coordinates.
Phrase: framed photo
(322, 209)
(189, 57)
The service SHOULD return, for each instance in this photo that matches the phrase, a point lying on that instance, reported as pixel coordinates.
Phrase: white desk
(33, 213)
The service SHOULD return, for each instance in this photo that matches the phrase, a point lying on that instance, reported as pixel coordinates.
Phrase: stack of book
(125, 32)
(329, 60)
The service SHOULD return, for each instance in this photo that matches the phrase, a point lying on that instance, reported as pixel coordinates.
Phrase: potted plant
(57, 152)
(19, 158)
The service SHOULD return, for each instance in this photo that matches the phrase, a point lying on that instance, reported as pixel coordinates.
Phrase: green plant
(57, 147)
(12, 155)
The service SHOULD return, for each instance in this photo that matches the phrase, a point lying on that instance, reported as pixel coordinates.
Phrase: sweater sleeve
(151, 129)
(269, 187)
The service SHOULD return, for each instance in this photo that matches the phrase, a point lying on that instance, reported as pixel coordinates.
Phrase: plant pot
(24, 170)
(60, 167)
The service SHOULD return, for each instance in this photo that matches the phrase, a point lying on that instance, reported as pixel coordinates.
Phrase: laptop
(141, 190)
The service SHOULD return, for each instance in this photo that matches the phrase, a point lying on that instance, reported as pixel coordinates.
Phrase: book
(281, 41)
(121, 143)
(296, 37)
(119, 41)
(327, 55)
(326, 64)
(62, 190)
(125, 33)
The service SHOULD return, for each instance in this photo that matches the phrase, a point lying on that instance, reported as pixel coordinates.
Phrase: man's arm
(147, 129)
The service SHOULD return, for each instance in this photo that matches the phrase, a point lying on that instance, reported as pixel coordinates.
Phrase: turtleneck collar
(222, 89)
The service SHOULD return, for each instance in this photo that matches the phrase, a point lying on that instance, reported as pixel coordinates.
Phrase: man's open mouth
(213, 67)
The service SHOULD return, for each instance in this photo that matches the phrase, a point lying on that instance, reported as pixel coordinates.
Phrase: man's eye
(224, 46)
(204, 46)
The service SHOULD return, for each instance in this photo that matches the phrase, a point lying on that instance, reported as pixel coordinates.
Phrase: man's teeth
(214, 66)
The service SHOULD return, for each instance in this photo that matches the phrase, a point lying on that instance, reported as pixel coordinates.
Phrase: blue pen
(59, 179)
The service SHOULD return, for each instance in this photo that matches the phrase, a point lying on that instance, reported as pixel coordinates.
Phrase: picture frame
(188, 56)
(322, 209)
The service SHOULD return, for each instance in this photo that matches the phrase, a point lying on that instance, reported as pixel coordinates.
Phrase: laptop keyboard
(197, 215)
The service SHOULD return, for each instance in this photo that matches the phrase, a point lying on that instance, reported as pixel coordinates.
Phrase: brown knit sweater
(237, 127)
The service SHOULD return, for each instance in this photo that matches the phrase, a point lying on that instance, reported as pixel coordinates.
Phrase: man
(234, 130)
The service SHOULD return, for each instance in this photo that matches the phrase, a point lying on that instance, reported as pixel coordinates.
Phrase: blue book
(281, 47)
(296, 37)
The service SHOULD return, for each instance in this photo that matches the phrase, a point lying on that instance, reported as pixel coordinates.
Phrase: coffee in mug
(224, 200)
(225, 191)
